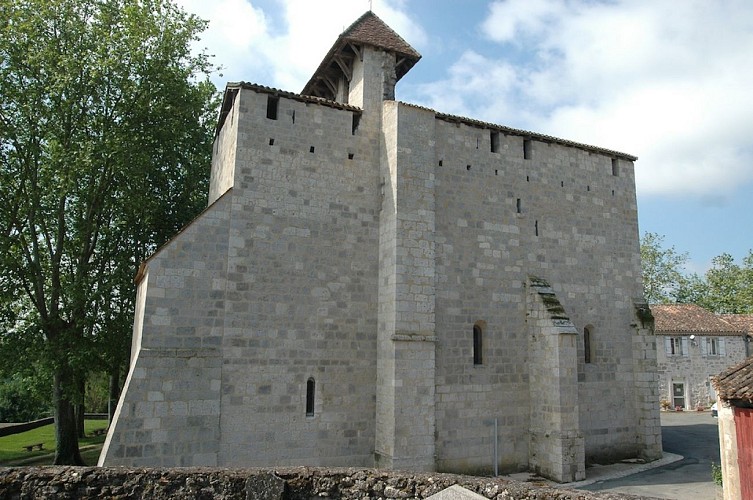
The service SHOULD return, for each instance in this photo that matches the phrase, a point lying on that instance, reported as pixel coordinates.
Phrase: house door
(744, 430)
(678, 394)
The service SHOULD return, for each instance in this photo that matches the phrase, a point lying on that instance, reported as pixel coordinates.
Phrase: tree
(105, 139)
(729, 287)
(663, 279)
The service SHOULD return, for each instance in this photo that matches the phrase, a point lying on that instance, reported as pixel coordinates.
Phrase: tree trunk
(66, 451)
(114, 390)
(79, 408)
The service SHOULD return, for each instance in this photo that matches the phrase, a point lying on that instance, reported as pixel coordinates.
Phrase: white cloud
(667, 81)
(243, 43)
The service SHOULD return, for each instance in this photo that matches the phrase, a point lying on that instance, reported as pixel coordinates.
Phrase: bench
(29, 447)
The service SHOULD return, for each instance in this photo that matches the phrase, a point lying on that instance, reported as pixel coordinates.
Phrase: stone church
(378, 284)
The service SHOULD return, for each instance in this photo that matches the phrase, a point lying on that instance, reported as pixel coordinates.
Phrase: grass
(12, 450)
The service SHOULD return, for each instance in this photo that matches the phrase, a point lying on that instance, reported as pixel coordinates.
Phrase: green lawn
(12, 450)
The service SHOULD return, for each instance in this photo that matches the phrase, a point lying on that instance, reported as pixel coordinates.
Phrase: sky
(668, 81)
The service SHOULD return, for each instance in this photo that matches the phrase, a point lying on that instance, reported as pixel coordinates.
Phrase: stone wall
(260, 484)
(694, 366)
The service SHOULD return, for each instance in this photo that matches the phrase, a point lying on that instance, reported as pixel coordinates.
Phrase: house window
(527, 149)
(713, 346)
(615, 167)
(477, 345)
(587, 345)
(272, 103)
(310, 394)
(676, 346)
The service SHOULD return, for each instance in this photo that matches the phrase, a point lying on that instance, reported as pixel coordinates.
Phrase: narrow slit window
(310, 395)
(354, 124)
(478, 141)
(494, 139)
(588, 188)
(440, 163)
(311, 149)
(292, 115)
(587, 345)
(467, 167)
(496, 171)
(477, 345)
(536, 228)
(271, 142)
(615, 167)
(272, 105)
(527, 149)
(518, 206)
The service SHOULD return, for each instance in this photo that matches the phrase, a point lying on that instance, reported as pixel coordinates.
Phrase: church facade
(379, 284)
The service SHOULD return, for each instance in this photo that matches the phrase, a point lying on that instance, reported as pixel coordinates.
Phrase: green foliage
(662, 270)
(105, 141)
(716, 474)
(726, 288)
(21, 400)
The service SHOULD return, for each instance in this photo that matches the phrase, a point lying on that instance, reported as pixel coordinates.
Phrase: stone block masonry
(374, 284)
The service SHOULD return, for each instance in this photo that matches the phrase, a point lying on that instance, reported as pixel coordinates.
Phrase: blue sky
(665, 80)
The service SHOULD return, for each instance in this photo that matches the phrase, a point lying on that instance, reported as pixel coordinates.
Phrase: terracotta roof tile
(736, 382)
(690, 318)
(366, 30)
(371, 30)
(741, 321)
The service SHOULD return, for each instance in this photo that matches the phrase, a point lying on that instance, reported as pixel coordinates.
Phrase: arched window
(310, 394)
(477, 345)
(587, 344)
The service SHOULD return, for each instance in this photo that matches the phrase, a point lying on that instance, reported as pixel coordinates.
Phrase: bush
(19, 402)
(716, 473)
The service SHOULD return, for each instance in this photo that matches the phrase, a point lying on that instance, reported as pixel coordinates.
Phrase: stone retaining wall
(300, 483)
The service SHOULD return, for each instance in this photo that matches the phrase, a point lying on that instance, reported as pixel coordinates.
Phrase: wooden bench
(29, 447)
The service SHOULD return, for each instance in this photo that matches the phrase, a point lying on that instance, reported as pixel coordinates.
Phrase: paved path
(693, 435)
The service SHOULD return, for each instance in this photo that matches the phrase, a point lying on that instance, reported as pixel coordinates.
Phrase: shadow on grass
(13, 452)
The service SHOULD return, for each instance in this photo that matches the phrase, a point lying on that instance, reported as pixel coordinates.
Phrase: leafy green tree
(663, 278)
(21, 400)
(729, 286)
(105, 139)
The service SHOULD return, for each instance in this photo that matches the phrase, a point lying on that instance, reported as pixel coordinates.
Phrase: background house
(694, 345)
(735, 389)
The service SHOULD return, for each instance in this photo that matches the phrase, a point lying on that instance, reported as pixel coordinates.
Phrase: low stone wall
(9, 430)
(299, 483)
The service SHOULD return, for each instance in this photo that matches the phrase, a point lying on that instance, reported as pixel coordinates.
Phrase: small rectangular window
(527, 149)
(272, 104)
(518, 205)
(494, 139)
(310, 395)
(615, 167)
(354, 123)
(477, 346)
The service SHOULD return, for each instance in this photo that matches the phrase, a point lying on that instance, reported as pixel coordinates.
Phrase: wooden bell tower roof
(366, 30)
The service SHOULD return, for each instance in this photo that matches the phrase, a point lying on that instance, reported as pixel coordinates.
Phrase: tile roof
(366, 30)
(742, 321)
(371, 30)
(690, 318)
(736, 382)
